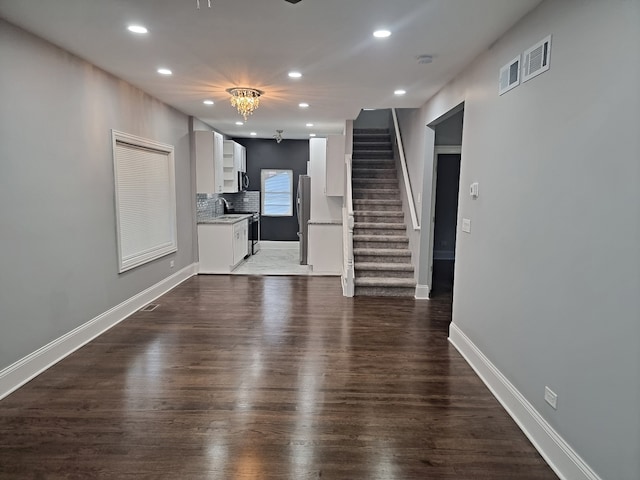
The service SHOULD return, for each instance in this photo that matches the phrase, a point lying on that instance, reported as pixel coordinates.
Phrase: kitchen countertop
(227, 219)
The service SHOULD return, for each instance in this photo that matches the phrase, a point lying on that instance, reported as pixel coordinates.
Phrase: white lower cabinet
(240, 241)
(222, 246)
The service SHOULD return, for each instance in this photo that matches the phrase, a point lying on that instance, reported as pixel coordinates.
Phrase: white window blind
(145, 199)
(277, 193)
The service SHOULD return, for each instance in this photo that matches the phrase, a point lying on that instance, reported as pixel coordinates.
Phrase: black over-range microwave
(243, 181)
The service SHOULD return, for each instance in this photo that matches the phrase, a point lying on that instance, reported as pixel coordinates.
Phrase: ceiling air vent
(536, 59)
(509, 76)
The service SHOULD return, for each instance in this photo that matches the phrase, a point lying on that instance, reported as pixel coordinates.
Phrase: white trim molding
(564, 461)
(422, 292)
(29, 367)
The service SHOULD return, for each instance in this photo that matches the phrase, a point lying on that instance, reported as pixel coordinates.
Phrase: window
(145, 199)
(277, 193)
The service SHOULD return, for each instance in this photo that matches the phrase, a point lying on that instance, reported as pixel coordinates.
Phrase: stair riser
(384, 292)
(383, 274)
(372, 145)
(382, 174)
(380, 231)
(370, 131)
(381, 259)
(375, 182)
(380, 219)
(372, 154)
(373, 195)
(373, 163)
(390, 208)
(380, 244)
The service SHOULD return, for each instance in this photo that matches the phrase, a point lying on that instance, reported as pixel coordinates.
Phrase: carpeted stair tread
(380, 238)
(380, 213)
(384, 217)
(380, 225)
(399, 267)
(388, 201)
(380, 252)
(387, 191)
(359, 161)
(357, 182)
(363, 171)
(384, 282)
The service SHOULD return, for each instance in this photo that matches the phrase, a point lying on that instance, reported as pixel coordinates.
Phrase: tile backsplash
(208, 205)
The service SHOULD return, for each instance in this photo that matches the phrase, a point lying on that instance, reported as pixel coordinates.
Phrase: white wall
(58, 254)
(538, 288)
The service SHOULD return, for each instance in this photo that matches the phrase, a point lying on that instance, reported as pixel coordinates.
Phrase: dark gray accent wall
(288, 154)
(446, 208)
(58, 254)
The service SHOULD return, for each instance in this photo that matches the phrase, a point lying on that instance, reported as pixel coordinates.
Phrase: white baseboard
(25, 369)
(567, 464)
(422, 292)
(273, 244)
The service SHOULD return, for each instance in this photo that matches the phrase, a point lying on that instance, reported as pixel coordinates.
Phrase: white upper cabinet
(240, 157)
(334, 173)
(209, 160)
(235, 160)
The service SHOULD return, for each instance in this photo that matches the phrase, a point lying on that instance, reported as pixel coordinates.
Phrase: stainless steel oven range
(254, 231)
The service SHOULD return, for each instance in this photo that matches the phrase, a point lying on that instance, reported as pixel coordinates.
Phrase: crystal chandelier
(246, 100)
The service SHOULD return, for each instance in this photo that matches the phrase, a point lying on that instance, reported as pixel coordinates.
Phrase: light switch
(473, 190)
(466, 225)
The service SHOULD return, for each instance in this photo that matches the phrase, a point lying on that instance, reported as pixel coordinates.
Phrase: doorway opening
(445, 191)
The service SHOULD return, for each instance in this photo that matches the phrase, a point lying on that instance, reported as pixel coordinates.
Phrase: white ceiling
(257, 42)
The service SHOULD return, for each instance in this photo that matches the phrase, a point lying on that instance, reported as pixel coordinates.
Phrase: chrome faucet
(225, 204)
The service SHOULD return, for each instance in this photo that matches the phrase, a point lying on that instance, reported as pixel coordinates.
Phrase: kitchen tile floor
(274, 258)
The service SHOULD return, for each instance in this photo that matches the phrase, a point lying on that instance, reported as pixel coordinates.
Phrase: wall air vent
(536, 59)
(150, 307)
(509, 76)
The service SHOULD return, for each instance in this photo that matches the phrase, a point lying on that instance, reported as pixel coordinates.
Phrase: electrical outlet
(550, 397)
(171, 264)
(466, 225)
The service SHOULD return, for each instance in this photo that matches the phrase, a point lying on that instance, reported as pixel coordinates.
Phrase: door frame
(437, 150)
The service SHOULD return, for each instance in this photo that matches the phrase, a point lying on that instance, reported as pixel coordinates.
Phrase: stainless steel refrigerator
(303, 211)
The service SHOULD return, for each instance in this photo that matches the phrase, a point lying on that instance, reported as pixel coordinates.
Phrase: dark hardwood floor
(242, 377)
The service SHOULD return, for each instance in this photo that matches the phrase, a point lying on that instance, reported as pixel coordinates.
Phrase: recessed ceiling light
(253, 134)
(164, 71)
(239, 123)
(137, 29)
(295, 74)
(208, 102)
(303, 105)
(400, 92)
(312, 134)
(309, 124)
(382, 33)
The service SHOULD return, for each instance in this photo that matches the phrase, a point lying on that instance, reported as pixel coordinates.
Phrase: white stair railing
(405, 172)
(348, 272)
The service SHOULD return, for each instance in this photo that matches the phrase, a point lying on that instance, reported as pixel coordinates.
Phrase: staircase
(382, 259)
